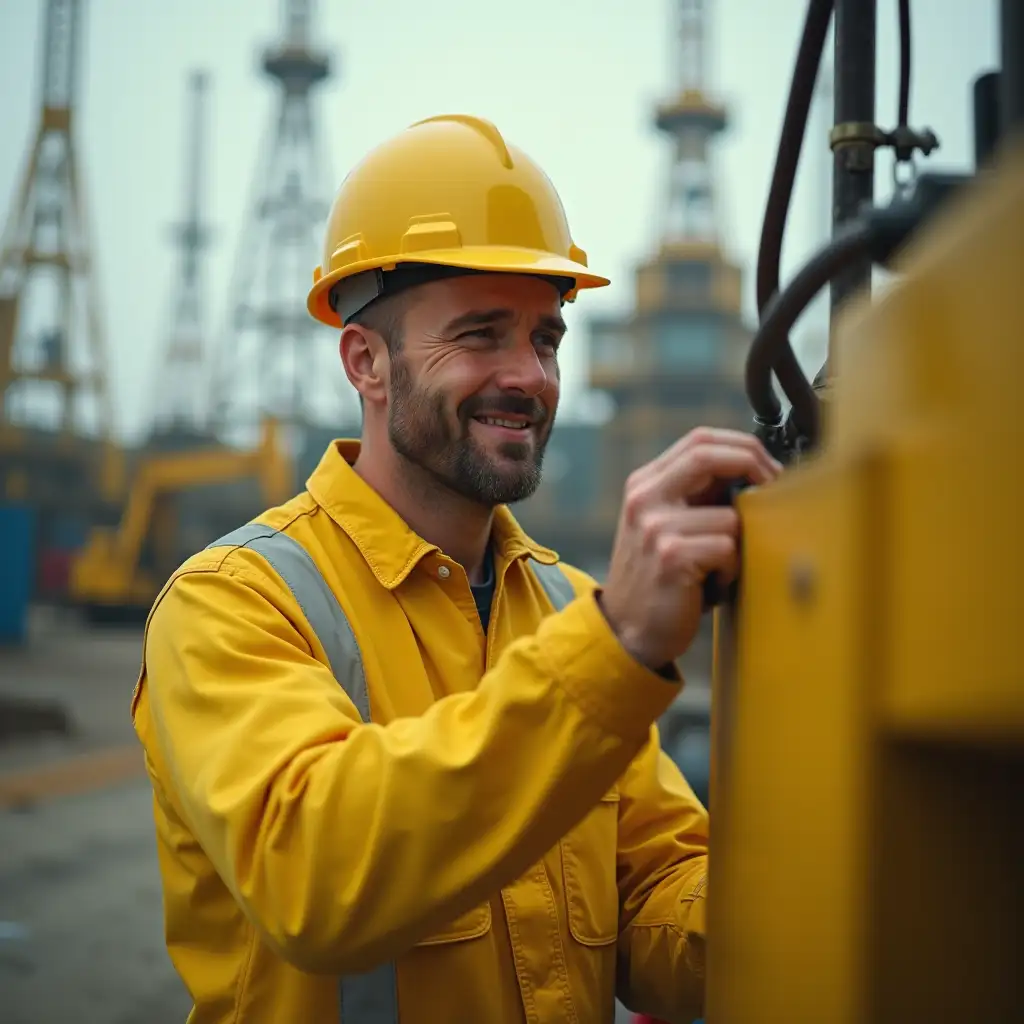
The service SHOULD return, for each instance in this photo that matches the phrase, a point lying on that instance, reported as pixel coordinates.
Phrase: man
(404, 761)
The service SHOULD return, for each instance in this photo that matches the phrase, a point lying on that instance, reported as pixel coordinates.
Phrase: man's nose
(523, 370)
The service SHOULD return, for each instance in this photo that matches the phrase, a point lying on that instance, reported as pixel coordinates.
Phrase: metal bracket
(863, 138)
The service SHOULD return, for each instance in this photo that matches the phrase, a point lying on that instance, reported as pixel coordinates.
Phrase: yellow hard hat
(447, 195)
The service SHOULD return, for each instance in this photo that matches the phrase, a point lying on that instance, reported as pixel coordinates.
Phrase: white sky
(572, 88)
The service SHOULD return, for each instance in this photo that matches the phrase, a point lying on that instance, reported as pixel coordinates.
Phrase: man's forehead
(479, 299)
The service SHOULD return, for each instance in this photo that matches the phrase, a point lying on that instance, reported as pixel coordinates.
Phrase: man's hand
(670, 537)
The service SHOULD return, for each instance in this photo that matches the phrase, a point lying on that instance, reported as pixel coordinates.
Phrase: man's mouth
(505, 429)
(504, 421)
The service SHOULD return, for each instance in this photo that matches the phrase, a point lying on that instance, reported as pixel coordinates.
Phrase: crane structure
(57, 451)
(180, 402)
(264, 364)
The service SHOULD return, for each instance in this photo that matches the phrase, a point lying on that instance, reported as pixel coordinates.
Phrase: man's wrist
(668, 671)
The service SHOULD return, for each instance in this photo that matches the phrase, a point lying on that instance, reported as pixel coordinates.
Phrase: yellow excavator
(119, 572)
(867, 780)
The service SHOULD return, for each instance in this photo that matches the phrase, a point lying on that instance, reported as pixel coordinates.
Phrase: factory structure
(106, 525)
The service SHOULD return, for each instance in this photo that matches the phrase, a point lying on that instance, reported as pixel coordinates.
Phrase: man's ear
(365, 359)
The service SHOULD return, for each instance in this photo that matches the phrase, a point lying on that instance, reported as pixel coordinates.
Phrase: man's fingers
(712, 435)
(699, 468)
(700, 554)
(681, 520)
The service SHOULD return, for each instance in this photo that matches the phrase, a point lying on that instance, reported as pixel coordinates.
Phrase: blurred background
(167, 170)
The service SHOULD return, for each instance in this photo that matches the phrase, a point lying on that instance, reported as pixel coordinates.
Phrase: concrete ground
(81, 931)
(81, 928)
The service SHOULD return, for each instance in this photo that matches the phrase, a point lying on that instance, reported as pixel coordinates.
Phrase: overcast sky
(573, 89)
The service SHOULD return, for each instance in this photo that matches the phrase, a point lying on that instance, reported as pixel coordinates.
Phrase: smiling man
(404, 760)
(459, 421)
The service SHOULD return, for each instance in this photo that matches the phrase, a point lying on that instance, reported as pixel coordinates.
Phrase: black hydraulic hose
(760, 393)
(794, 128)
(848, 245)
(903, 116)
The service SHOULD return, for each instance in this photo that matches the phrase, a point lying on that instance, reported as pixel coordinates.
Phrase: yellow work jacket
(369, 811)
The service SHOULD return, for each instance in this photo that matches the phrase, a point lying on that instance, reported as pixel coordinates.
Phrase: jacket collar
(389, 545)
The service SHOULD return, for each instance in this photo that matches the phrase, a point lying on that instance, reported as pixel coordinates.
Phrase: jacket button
(443, 571)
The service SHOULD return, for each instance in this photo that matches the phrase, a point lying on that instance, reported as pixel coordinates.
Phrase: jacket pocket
(588, 868)
(470, 925)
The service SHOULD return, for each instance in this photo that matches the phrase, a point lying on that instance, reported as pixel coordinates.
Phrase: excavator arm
(108, 571)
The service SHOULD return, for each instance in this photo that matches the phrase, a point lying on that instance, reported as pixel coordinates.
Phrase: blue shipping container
(67, 534)
(17, 571)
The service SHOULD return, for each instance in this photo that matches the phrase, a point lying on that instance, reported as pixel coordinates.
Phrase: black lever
(715, 591)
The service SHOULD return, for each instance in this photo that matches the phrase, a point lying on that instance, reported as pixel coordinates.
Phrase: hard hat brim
(488, 258)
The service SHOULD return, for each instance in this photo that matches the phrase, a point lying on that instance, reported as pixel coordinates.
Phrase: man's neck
(459, 527)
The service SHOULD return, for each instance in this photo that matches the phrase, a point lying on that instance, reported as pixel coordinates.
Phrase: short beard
(421, 432)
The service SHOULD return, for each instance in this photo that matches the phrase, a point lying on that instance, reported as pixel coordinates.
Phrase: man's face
(474, 383)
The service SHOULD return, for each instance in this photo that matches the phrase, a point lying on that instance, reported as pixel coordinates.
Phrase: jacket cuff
(593, 667)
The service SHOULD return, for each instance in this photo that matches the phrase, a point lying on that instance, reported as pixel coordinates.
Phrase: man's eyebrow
(477, 318)
(485, 317)
(553, 323)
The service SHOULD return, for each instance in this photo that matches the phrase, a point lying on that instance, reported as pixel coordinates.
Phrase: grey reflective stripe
(370, 998)
(556, 584)
(290, 560)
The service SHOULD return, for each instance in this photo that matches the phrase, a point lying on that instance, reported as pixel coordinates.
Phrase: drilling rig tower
(57, 452)
(265, 364)
(677, 360)
(180, 402)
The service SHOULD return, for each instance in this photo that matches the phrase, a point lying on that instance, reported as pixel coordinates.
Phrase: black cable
(904, 100)
(877, 235)
(794, 128)
(1011, 79)
(780, 193)
(849, 244)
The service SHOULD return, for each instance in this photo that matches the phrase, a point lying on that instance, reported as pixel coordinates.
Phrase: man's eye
(548, 341)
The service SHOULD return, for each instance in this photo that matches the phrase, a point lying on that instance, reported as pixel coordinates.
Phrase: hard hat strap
(352, 295)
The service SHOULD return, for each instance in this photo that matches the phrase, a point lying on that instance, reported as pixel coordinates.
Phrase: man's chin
(515, 481)
(512, 456)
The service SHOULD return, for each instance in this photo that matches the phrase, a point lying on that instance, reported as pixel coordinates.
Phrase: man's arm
(346, 842)
(662, 871)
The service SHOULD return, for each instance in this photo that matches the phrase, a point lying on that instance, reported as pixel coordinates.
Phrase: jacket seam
(558, 950)
(243, 978)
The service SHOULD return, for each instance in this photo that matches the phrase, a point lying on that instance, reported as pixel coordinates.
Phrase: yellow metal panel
(868, 841)
(953, 665)
(788, 803)
(933, 376)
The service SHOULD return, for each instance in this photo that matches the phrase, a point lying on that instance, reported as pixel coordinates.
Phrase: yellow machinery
(119, 572)
(868, 749)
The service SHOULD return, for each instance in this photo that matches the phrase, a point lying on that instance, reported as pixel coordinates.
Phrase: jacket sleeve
(344, 842)
(662, 870)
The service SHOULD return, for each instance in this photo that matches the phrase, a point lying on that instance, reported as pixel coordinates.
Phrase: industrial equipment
(118, 573)
(868, 730)
(57, 452)
(266, 362)
(179, 411)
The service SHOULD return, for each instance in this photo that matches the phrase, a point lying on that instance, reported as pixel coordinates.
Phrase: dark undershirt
(483, 593)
